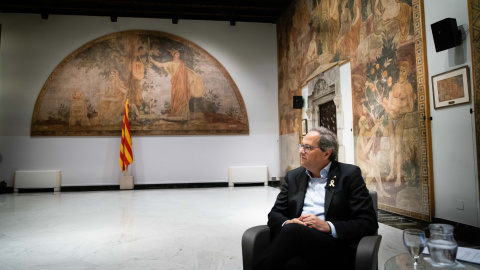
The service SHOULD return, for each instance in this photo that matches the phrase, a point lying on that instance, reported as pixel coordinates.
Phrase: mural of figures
(174, 87)
(384, 44)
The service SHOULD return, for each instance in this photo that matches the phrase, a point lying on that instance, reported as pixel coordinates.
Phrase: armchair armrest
(254, 242)
(367, 252)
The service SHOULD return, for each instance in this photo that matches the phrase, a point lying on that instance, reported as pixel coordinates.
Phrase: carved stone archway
(323, 88)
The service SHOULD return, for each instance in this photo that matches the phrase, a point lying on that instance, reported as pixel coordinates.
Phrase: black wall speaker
(297, 102)
(446, 34)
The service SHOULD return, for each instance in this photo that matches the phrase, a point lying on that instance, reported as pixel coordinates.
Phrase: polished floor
(140, 229)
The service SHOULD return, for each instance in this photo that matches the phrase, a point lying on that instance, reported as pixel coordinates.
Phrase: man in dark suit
(322, 211)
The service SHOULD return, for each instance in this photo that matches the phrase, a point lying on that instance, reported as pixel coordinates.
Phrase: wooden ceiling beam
(223, 10)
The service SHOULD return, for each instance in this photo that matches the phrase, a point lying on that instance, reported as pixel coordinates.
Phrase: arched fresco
(174, 87)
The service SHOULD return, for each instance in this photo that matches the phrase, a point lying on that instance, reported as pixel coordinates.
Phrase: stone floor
(198, 228)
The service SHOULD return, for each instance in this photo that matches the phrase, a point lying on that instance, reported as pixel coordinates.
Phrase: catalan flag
(126, 156)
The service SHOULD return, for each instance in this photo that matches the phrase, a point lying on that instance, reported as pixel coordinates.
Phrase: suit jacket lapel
(333, 175)
(302, 183)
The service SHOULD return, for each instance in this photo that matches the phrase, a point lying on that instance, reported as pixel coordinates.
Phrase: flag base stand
(126, 182)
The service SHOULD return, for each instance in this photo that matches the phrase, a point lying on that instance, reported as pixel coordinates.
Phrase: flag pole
(126, 167)
(126, 154)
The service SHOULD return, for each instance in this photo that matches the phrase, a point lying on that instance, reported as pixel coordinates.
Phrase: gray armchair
(256, 239)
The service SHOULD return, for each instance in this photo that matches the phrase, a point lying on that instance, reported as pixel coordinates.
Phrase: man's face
(316, 159)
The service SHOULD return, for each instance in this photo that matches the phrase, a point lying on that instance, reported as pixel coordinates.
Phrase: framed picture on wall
(304, 127)
(451, 88)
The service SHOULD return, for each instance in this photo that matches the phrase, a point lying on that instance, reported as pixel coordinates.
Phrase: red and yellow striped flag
(126, 156)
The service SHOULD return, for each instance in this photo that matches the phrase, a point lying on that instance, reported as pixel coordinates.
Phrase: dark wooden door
(328, 116)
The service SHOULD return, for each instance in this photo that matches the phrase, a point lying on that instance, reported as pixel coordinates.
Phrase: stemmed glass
(414, 241)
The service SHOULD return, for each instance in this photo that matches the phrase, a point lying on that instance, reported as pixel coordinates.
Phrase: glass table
(399, 262)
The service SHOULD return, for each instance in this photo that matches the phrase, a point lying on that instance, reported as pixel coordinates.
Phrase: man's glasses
(306, 148)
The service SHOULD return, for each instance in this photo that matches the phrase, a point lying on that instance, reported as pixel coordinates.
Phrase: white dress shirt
(315, 197)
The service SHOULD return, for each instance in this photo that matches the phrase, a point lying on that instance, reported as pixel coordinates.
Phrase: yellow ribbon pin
(331, 183)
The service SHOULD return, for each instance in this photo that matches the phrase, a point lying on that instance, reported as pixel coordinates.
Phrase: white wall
(453, 137)
(346, 90)
(30, 50)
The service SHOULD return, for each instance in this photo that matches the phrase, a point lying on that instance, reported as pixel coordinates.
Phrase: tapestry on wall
(384, 42)
(174, 87)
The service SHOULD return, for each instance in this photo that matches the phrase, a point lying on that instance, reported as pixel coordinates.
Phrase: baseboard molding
(248, 184)
(6, 190)
(145, 186)
(89, 188)
(181, 185)
(117, 187)
(271, 183)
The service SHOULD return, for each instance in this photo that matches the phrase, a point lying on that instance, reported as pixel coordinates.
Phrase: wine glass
(414, 241)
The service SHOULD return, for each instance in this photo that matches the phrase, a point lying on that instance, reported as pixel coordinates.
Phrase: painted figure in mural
(393, 16)
(309, 61)
(284, 78)
(345, 21)
(312, 49)
(399, 103)
(185, 84)
(78, 109)
(365, 157)
(112, 99)
(333, 25)
(349, 36)
(337, 210)
(292, 69)
(299, 39)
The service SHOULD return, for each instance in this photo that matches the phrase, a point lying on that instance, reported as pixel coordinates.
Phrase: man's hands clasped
(312, 221)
